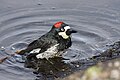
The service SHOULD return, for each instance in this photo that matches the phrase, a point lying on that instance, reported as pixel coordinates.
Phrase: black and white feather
(52, 44)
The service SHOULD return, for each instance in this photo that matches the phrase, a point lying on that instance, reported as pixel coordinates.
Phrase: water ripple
(96, 28)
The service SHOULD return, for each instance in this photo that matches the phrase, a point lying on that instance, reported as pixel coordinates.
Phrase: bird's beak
(73, 31)
(70, 31)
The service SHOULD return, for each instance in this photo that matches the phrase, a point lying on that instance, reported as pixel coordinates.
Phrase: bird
(52, 44)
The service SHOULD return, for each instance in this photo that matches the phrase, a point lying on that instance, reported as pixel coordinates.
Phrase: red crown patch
(58, 24)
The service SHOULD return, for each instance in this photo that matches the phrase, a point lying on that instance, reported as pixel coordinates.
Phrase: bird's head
(63, 29)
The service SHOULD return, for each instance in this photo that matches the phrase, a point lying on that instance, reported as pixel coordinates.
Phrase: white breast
(49, 53)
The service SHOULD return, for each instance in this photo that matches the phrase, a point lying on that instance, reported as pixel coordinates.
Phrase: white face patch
(63, 34)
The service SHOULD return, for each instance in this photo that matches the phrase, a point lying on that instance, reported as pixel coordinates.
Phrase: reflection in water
(53, 66)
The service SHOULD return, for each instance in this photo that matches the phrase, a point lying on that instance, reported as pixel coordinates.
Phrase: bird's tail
(21, 52)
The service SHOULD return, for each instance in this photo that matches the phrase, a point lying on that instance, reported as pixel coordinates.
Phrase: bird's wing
(31, 46)
(40, 45)
(34, 47)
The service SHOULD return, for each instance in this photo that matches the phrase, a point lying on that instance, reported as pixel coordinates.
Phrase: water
(97, 23)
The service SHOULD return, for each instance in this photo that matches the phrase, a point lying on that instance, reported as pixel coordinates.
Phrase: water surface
(21, 22)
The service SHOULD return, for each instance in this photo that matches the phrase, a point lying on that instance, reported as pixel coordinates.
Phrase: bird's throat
(64, 35)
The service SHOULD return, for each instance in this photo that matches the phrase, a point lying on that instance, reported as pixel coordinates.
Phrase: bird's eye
(62, 29)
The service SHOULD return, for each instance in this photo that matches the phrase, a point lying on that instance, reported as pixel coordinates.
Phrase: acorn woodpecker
(52, 44)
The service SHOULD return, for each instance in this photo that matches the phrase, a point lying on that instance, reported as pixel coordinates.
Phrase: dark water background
(22, 21)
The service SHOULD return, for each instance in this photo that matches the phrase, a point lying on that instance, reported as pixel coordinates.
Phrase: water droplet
(12, 48)
(77, 65)
(2, 48)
